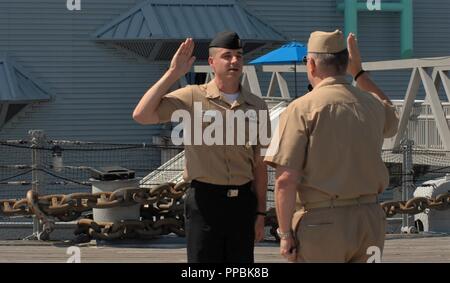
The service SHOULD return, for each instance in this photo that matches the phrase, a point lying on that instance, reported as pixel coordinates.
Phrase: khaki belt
(342, 202)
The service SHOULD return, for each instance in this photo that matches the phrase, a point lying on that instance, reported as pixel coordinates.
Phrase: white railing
(431, 129)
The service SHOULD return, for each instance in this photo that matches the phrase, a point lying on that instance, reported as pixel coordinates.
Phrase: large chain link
(413, 206)
(69, 207)
(417, 205)
(128, 229)
(163, 203)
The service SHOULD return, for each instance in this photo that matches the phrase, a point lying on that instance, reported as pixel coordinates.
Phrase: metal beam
(272, 84)
(436, 107)
(244, 81)
(437, 85)
(283, 68)
(406, 28)
(277, 78)
(411, 93)
(443, 63)
(445, 83)
(389, 7)
(252, 78)
(202, 69)
(283, 86)
(352, 7)
(407, 64)
(350, 16)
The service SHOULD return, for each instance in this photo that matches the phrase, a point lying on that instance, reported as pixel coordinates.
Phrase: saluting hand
(182, 60)
(354, 57)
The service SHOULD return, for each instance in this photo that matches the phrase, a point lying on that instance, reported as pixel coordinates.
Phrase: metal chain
(66, 207)
(127, 229)
(163, 203)
(416, 205)
(413, 206)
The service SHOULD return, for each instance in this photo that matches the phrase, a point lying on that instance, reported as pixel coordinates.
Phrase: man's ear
(312, 65)
(211, 63)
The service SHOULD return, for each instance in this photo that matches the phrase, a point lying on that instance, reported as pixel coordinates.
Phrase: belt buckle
(232, 193)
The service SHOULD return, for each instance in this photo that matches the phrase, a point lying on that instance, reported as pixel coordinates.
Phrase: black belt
(229, 190)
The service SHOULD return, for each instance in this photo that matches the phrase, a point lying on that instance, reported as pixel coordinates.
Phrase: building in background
(87, 69)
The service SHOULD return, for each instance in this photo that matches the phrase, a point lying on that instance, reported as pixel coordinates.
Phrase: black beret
(226, 39)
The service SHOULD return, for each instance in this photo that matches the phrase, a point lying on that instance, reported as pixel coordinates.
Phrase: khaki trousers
(340, 234)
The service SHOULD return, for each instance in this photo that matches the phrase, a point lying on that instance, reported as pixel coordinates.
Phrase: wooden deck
(171, 249)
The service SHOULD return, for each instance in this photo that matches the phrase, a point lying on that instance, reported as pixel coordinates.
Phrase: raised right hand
(354, 57)
(182, 60)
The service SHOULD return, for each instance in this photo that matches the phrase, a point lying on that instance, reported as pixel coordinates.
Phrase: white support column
(272, 84)
(445, 83)
(411, 93)
(252, 80)
(283, 86)
(436, 81)
(436, 107)
(244, 81)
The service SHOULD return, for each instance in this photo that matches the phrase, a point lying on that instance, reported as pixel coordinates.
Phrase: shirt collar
(332, 81)
(213, 92)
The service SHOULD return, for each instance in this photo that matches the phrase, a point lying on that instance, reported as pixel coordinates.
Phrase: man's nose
(234, 60)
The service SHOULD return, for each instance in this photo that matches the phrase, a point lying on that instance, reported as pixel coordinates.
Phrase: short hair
(212, 51)
(337, 61)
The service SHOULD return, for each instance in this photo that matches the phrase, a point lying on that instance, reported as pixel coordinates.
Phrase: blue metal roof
(187, 18)
(154, 29)
(17, 86)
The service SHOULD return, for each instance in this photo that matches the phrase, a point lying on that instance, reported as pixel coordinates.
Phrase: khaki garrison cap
(326, 42)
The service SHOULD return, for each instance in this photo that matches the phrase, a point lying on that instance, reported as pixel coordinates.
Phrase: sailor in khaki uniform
(328, 163)
(226, 203)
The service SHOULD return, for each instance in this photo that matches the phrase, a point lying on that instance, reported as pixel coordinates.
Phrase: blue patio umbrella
(290, 53)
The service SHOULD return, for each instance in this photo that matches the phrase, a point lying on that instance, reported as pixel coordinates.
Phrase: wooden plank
(425, 249)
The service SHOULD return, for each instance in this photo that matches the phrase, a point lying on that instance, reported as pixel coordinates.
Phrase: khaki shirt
(221, 164)
(333, 137)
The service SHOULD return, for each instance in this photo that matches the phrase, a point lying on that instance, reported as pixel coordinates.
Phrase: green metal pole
(350, 17)
(352, 7)
(385, 7)
(406, 29)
